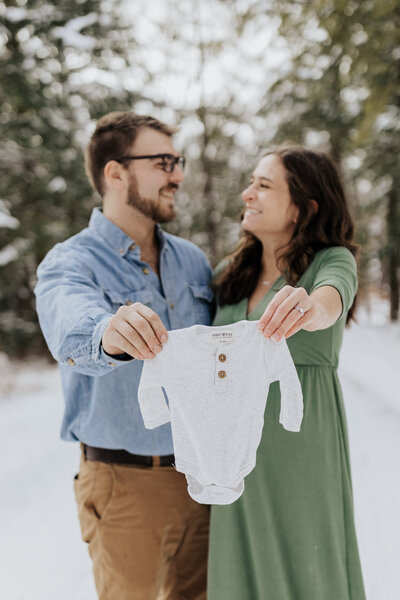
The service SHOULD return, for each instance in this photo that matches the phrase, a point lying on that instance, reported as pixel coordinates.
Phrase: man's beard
(150, 208)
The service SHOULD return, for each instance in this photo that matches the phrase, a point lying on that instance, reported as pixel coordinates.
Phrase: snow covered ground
(41, 555)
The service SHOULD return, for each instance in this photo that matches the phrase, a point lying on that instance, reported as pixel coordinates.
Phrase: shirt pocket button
(221, 374)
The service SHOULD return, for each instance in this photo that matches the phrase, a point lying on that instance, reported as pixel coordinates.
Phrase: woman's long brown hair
(310, 175)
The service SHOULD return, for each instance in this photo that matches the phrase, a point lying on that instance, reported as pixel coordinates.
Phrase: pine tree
(55, 67)
(339, 90)
(378, 131)
(217, 131)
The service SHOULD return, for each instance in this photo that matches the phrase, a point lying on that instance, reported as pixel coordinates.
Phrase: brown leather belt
(123, 457)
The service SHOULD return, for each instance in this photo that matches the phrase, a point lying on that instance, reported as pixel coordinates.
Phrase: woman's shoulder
(329, 263)
(221, 266)
(333, 254)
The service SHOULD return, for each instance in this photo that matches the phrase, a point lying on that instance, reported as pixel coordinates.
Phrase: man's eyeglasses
(168, 161)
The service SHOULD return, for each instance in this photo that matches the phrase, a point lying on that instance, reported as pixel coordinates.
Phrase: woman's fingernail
(276, 337)
(157, 349)
(164, 338)
(267, 333)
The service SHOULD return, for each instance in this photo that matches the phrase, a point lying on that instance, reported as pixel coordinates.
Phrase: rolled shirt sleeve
(73, 314)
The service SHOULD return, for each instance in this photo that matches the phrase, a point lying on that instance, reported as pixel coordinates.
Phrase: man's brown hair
(113, 137)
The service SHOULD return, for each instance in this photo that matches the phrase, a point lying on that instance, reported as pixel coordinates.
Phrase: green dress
(291, 535)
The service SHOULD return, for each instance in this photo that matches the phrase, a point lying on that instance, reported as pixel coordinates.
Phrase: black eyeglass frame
(168, 168)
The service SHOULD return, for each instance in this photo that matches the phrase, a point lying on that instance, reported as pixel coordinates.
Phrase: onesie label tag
(221, 337)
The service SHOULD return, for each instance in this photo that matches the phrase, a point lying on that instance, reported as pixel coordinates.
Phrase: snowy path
(370, 376)
(41, 555)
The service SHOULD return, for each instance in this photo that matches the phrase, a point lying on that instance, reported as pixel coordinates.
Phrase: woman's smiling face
(269, 208)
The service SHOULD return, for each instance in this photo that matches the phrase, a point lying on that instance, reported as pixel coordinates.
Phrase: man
(106, 298)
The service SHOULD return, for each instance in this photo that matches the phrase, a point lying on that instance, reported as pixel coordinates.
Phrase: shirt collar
(119, 241)
(162, 238)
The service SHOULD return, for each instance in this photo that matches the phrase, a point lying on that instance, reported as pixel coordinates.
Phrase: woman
(291, 534)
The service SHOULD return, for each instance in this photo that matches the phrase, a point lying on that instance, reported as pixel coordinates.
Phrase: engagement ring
(301, 311)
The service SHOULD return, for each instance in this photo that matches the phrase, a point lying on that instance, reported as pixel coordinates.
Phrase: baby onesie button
(222, 357)
(221, 374)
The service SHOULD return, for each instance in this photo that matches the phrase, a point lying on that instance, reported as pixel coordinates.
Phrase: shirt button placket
(221, 374)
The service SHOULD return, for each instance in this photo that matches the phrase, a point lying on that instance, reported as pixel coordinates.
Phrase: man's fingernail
(150, 355)
(157, 348)
(164, 338)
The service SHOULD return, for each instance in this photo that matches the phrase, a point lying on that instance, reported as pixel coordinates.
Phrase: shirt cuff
(99, 355)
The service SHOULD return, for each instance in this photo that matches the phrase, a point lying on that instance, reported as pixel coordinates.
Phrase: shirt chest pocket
(202, 299)
(118, 298)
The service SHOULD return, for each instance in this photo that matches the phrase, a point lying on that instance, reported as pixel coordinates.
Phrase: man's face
(152, 190)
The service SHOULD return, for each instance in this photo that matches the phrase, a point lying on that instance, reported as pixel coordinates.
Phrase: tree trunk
(394, 254)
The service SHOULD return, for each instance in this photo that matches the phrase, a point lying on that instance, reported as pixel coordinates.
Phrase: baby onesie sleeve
(280, 367)
(338, 269)
(151, 398)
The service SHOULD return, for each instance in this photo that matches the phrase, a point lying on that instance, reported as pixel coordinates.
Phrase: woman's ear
(315, 206)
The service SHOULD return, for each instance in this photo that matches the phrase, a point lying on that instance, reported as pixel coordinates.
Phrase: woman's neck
(269, 269)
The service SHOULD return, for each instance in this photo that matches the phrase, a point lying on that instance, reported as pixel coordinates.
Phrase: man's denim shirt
(81, 284)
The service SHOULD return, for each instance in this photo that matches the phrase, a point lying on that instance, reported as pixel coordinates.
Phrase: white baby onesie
(216, 380)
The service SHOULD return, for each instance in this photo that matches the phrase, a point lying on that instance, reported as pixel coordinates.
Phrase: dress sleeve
(338, 268)
(154, 378)
(281, 367)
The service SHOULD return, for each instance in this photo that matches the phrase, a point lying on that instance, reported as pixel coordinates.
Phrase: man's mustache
(170, 187)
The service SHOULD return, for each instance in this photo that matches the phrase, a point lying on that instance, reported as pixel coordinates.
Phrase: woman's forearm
(327, 304)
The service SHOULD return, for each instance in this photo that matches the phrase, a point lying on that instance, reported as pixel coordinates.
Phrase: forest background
(235, 76)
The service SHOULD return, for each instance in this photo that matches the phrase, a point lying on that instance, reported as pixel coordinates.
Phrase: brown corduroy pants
(147, 538)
